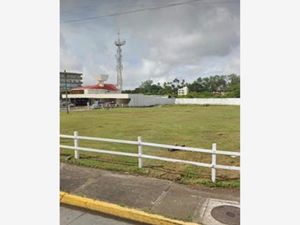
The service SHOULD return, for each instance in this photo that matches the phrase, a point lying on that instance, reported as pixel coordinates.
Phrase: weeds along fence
(139, 143)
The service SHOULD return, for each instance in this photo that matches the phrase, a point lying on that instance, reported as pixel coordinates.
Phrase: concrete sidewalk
(201, 205)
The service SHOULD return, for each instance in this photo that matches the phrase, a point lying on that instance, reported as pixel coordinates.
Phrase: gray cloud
(185, 41)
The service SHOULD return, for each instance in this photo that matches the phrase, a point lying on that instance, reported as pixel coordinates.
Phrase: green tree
(233, 86)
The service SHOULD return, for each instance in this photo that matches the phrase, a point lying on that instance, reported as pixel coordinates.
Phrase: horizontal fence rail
(214, 152)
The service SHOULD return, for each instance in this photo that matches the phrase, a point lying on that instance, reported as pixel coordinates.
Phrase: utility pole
(66, 90)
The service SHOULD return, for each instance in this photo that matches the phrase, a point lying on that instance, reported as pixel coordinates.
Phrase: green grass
(194, 126)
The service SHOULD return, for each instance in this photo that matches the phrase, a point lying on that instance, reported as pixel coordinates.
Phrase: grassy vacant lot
(193, 126)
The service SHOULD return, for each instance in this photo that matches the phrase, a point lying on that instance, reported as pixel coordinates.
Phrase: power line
(143, 9)
(84, 7)
(130, 11)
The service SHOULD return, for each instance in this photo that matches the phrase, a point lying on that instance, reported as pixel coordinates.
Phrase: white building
(109, 93)
(183, 91)
(131, 100)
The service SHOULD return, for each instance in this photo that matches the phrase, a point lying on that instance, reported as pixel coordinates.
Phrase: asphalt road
(75, 216)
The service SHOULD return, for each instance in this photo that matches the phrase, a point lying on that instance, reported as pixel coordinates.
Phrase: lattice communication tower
(119, 66)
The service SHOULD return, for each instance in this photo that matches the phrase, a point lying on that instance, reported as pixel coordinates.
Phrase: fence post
(76, 145)
(140, 151)
(213, 162)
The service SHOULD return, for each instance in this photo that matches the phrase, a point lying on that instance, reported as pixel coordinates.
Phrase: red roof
(109, 87)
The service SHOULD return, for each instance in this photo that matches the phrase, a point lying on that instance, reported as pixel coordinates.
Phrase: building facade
(183, 91)
(120, 99)
(70, 80)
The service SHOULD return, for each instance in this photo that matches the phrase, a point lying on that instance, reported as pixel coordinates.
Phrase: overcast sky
(185, 41)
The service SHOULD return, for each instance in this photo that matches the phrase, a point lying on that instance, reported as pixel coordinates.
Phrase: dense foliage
(213, 86)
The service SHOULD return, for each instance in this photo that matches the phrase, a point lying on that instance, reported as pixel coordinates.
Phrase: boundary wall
(207, 101)
(139, 100)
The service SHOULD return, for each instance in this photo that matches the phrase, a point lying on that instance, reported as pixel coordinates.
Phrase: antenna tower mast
(119, 66)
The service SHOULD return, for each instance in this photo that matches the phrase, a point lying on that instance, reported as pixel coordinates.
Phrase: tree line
(222, 86)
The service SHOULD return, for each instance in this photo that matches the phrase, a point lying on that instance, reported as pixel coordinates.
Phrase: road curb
(119, 211)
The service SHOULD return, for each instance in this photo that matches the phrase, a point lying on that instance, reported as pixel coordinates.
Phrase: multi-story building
(183, 91)
(70, 80)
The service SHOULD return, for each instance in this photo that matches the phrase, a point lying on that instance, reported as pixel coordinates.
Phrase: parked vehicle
(65, 104)
(110, 104)
(96, 105)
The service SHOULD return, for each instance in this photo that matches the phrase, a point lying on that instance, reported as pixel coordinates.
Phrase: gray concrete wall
(138, 100)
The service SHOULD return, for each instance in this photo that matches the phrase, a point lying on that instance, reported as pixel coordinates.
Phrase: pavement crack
(199, 211)
(203, 210)
(160, 197)
(83, 186)
(76, 218)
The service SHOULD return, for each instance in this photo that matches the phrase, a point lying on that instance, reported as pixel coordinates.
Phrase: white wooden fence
(214, 152)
